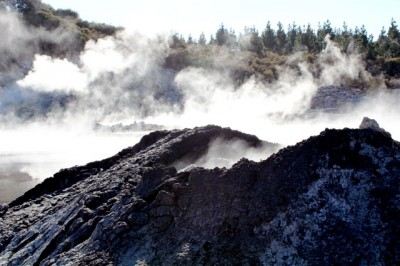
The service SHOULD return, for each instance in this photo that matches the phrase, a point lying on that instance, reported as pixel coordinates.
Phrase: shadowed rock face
(332, 199)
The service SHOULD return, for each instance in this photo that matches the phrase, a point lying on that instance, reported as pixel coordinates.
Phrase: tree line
(303, 38)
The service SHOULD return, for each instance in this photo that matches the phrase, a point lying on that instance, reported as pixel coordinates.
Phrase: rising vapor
(124, 79)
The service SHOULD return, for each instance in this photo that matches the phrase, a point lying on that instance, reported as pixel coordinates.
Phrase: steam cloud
(225, 153)
(123, 79)
(19, 43)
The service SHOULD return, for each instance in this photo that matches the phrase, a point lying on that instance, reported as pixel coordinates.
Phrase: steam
(52, 107)
(19, 43)
(338, 67)
(66, 76)
(225, 153)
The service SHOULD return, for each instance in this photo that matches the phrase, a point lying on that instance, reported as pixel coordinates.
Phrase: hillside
(31, 28)
(39, 15)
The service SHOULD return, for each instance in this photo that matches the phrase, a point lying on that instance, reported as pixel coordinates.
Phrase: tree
(299, 40)
(393, 39)
(202, 39)
(177, 41)
(320, 38)
(280, 38)
(382, 44)
(255, 42)
(291, 37)
(327, 29)
(310, 39)
(268, 37)
(344, 37)
(212, 40)
(222, 36)
(190, 40)
(393, 32)
(232, 39)
(361, 38)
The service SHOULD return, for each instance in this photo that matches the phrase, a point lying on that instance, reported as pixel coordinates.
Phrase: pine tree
(222, 36)
(291, 37)
(202, 39)
(268, 37)
(327, 29)
(310, 40)
(320, 38)
(212, 40)
(177, 41)
(393, 32)
(280, 38)
(393, 39)
(190, 40)
(361, 38)
(232, 39)
(344, 37)
(256, 44)
(298, 42)
(382, 44)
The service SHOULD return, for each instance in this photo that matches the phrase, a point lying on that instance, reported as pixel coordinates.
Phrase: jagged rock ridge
(332, 199)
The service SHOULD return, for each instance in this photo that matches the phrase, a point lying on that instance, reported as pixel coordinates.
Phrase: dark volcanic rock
(332, 199)
(372, 124)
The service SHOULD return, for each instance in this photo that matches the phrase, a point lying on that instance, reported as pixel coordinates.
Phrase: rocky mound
(332, 199)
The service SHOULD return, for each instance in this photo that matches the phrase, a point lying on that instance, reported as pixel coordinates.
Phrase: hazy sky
(196, 16)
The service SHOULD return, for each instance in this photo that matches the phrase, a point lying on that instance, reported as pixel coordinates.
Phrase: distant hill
(39, 15)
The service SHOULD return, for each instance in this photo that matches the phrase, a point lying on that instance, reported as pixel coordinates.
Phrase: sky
(196, 16)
